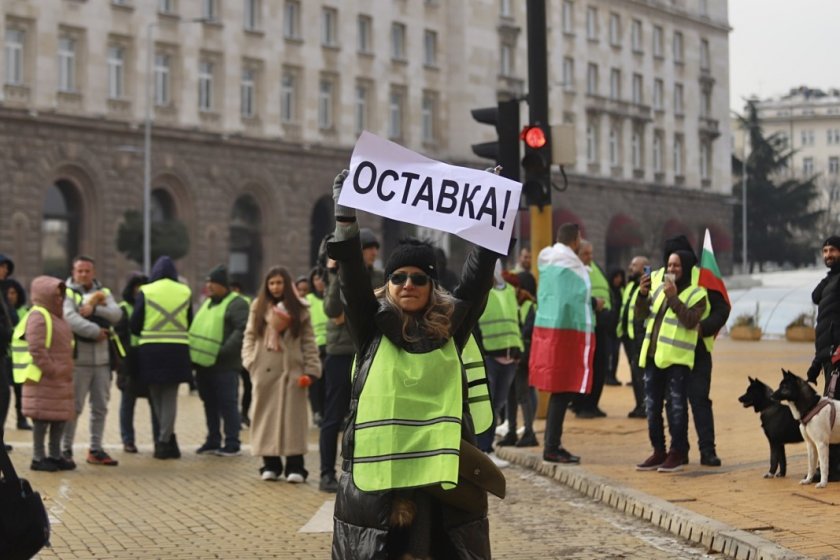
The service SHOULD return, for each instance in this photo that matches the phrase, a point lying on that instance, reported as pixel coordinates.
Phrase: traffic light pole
(538, 112)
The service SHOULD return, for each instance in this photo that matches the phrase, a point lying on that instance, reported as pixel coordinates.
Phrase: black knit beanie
(219, 275)
(833, 241)
(412, 252)
(674, 244)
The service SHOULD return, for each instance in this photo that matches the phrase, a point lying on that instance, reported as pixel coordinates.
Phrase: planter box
(800, 334)
(743, 332)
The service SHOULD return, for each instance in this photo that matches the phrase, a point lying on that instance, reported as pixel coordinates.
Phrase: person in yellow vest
(161, 319)
(91, 312)
(42, 351)
(16, 298)
(630, 330)
(215, 349)
(499, 334)
(244, 376)
(127, 378)
(409, 434)
(673, 308)
(319, 324)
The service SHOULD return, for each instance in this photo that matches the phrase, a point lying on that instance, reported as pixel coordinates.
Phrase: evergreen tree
(780, 207)
(168, 238)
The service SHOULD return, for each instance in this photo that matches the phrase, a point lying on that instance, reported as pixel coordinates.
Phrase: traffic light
(505, 150)
(537, 165)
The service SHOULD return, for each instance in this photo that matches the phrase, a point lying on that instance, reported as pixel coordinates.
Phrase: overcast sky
(779, 44)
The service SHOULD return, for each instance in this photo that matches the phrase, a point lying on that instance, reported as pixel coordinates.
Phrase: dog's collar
(822, 403)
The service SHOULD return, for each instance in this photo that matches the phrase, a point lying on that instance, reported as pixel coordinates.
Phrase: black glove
(342, 213)
(814, 372)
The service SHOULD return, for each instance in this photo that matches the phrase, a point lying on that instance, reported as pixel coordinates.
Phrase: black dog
(778, 423)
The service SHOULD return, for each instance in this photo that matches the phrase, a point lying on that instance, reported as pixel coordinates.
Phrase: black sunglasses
(417, 278)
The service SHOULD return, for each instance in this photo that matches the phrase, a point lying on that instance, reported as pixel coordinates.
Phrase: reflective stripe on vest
(207, 331)
(499, 323)
(478, 392)
(676, 344)
(165, 315)
(628, 311)
(23, 366)
(318, 317)
(408, 423)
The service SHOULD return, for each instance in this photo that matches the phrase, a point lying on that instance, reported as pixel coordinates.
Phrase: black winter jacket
(826, 296)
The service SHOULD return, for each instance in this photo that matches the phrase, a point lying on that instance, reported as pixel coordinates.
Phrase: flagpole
(744, 210)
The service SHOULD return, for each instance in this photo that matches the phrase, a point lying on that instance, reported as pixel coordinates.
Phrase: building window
(166, 6)
(657, 152)
(162, 79)
(361, 108)
(636, 38)
(116, 72)
(66, 64)
(704, 8)
(325, 104)
(615, 30)
(615, 83)
(568, 16)
(395, 115)
(834, 165)
(248, 93)
(706, 103)
(808, 166)
(658, 42)
(637, 89)
(430, 47)
(615, 146)
(705, 160)
(807, 137)
(658, 94)
(205, 86)
(568, 73)
(678, 99)
(428, 113)
(209, 10)
(592, 79)
(252, 15)
(398, 41)
(504, 8)
(291, 19)
(678, 47)
(288, 95)
(14, 56)
(704, 54)
(506, 59)
(364, 25)
(678, 156)
(636, 149)
(592, 23)
(592, 142)
(829, 137)
(329, 27)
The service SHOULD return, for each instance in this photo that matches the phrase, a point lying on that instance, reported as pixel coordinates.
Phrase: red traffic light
(533, 136)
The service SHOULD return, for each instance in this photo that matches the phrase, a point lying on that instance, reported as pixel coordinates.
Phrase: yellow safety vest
(22, 365)
(165, 315)
(208, 330)
(658, 277)
(499, 323)
(628, 309)
(675, 344)
(600, 285)
(129, 310)
(478, 392)
(407, 429)
(318, 317)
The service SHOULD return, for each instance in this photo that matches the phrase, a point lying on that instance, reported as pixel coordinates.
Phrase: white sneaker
(294, 478)
(269, 475)
(502, 429)
(498, 461)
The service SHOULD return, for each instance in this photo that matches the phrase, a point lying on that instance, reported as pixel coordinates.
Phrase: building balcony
(15, 95)
(618, 108)
(709, 127)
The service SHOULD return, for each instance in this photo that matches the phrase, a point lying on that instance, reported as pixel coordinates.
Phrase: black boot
(174, 452)
(160, 450)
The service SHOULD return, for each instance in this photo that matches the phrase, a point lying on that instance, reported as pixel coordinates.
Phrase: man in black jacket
(826, 296)
(7, 325)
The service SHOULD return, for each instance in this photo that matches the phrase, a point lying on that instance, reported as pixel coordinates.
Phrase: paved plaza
(214, 507)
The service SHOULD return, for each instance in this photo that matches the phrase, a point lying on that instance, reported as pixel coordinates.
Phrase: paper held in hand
(391, 181)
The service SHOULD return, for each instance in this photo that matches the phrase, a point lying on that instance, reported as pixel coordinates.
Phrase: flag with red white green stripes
(709, 272)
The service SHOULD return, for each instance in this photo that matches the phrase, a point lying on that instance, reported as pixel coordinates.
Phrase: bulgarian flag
(709, 271)
(563, 341)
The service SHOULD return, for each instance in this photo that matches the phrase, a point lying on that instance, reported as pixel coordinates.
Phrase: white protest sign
(391, 181)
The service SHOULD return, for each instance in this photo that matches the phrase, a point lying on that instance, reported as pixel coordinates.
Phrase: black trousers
(632, 347)
(557, 405)
(698, 384)
(600, 366)
(317, 391)
(336, 405)
(5, 392)
(247, 389)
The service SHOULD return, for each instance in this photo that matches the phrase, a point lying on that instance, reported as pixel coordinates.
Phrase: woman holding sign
(413, 483)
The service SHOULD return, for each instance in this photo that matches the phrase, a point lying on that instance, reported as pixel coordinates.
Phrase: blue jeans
(499, 379)
(660, 383)
(127, 402)
(219, 390)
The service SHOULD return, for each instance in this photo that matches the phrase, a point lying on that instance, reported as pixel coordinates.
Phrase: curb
(714, 535)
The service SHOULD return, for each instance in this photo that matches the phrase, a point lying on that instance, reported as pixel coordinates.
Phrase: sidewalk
(730, 509)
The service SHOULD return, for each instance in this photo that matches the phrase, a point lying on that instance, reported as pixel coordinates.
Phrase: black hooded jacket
(826, 296)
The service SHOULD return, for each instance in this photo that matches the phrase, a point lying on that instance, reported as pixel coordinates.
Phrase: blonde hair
(434, 322)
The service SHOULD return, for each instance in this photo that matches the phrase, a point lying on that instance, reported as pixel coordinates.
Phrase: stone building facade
(256, 104)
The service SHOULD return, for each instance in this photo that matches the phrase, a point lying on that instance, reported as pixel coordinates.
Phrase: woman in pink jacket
(49, 402)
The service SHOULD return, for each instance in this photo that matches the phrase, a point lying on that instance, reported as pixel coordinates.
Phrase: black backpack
(24, 524)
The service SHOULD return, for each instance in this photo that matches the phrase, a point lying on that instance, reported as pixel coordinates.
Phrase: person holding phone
(630, 330)
(675, 306)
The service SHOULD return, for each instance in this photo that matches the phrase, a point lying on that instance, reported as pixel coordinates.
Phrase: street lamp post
(744, 209)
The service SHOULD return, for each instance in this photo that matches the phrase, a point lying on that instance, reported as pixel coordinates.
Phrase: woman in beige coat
(281, 355)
